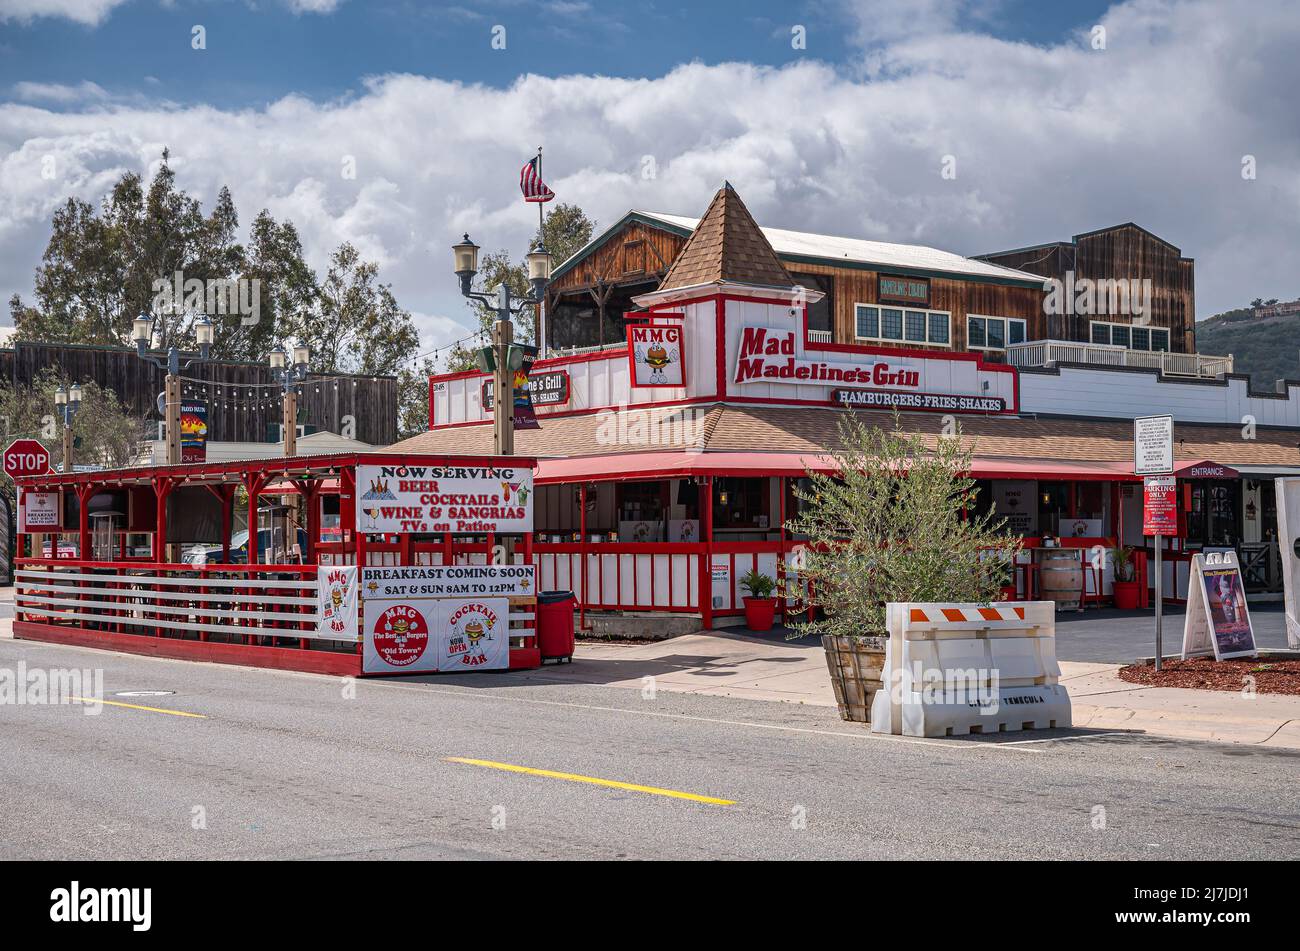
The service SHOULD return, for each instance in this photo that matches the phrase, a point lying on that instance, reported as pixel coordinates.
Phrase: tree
(564, 232)
(888, 526)
(356, 324)
(105, 433)
(413, 398)
(99, 269)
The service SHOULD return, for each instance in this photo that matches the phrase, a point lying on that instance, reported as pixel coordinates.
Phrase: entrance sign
(1153, 445)
(544, 389)
(39, 512)
(24, 457)
(435, 499)
(1218, 620)
(1159, 505)
(1288, 526)
(436, 581)
(657, 355)
(337, 591)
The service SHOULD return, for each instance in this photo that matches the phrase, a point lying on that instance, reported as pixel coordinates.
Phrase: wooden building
(875, 293)
(243, 402)
(1125, 253)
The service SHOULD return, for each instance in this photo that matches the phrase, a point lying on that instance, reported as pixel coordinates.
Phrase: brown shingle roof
(722, 428)
(727, 245)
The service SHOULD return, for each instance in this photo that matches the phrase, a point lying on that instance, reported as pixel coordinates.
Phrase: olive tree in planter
(892, 523)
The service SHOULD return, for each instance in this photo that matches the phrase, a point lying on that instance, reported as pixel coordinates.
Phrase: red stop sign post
(24, 457)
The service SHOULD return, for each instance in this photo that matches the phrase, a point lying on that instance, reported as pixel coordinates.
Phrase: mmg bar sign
(433, 499)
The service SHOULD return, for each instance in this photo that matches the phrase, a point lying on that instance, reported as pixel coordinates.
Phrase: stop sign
(26, 457)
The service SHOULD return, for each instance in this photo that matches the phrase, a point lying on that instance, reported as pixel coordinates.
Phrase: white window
(902, 325)
(1126, 335)
(994, 333)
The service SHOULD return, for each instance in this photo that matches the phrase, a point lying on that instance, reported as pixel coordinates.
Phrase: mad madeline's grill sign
(768, 355)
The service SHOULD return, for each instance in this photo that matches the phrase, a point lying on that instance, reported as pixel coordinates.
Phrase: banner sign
(1218, 620)
(40, 512)
(426, 635)
(194, 431)
(657, 355)
(1288, 529)
(436, 499)
(337, 590)
(1016, 500)
(1160, 506)
(544, 389)
(397, 637)
(1153, 445)
(768, 356)
(903, 290)
(474, 635)
(436, 581)
(937, 402)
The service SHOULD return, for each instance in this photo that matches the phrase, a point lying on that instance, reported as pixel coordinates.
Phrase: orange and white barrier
(955, 669)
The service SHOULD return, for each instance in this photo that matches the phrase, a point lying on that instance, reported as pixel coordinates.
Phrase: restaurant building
(724, 355)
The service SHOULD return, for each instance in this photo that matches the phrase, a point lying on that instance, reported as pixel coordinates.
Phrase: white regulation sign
(452, 581)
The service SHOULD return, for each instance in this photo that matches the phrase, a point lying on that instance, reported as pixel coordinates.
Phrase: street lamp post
(68, 402)
(502, 357)
(288, 376)
(142, 329)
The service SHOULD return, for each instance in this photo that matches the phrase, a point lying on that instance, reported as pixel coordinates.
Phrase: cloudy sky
(1057, 119)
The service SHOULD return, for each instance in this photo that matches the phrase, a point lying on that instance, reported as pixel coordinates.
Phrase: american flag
(530, 182)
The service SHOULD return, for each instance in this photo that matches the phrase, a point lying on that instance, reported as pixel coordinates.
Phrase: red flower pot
(1126, 595)
(759, 613)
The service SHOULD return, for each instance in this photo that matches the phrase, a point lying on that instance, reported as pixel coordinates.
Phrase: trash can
(555, 625)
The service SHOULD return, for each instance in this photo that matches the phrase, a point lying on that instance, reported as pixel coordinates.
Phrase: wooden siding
(371, 401)
(1123, 252)
(627, 257)
(959, 298)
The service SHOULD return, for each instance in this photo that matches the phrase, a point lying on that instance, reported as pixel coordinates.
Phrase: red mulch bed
(1205, 673)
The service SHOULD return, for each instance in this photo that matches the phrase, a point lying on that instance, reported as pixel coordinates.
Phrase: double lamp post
(504, 356)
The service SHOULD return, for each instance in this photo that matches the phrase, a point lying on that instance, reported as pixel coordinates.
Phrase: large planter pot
(1126, 595)
(855, 666)
(760, 613)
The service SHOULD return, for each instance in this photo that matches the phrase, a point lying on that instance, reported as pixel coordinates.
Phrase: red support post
(706, 559)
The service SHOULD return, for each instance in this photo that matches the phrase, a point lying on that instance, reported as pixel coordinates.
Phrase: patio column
(84, 492)
(225, 493)
(706, 558)
(254, 482)
(162, 488)
(309, 489)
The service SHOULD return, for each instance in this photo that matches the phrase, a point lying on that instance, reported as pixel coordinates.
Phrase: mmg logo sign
(213, 297)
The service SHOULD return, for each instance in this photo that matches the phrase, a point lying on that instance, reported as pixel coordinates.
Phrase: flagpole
(540, 331)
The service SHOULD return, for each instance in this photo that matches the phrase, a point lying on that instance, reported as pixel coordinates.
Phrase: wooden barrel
(1060, 577)
(855, 667)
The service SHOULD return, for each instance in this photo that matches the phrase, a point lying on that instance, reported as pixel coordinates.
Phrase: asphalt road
(286, 766)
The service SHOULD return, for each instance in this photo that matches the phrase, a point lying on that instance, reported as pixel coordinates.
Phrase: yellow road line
(135, 706)
(593, 780)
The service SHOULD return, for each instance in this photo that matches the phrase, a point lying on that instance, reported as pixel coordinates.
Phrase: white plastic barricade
(955, 669)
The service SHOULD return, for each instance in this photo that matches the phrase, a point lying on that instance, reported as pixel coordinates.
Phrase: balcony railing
(1046, 353)
(821, 336)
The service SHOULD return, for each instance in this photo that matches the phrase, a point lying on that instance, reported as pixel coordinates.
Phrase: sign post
(1153, 455)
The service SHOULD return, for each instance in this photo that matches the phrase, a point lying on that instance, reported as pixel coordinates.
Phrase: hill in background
(1267, 348)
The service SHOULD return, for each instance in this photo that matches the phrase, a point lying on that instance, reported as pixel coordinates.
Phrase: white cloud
(89, 12)
(59, 92)
(1048, 142)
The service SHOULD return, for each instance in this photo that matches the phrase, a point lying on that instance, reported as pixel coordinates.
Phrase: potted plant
(1125, 586)
(895, 520)
(760, 606)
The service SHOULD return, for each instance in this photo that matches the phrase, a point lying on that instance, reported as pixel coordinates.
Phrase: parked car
(212, 554)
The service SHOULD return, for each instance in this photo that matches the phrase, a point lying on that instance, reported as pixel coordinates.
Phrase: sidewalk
(767, 668)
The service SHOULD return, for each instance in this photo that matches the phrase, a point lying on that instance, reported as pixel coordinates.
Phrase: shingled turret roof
(727, 246)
